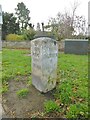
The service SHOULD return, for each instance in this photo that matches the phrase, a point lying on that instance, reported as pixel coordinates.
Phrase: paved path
(2, 113)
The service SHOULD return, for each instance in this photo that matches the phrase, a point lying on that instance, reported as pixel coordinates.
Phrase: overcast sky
(42, 10)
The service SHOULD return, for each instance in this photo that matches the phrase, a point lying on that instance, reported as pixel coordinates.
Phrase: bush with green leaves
(29, 34)
(23, 92)
(14, 37)
(51, 106)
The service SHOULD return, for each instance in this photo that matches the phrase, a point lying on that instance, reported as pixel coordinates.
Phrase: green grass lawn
(71, 94)
(14, 62)
(72, 89)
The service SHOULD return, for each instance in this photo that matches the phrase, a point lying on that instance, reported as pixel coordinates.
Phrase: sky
(43, 10)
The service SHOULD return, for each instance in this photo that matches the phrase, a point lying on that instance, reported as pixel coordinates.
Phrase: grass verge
(71, 94)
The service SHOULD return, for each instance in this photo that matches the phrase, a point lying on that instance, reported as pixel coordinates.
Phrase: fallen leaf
(58, 102)
(73, 99)
(80, 99)
(68, 108)
(74, 89)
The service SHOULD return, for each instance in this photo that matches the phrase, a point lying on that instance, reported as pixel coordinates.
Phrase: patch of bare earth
(30, 106)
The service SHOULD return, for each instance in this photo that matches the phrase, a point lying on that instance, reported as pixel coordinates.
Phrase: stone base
(41, 85)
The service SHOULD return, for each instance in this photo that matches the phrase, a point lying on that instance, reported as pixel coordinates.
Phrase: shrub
(51, 106)
(20, 37)
(29, 34)
(14, 37)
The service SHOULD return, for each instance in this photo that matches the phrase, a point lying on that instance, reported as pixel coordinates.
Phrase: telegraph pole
(89, 18)
(1, 22)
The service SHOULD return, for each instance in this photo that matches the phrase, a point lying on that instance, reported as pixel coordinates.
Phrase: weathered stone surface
(2, 113)
(15, 44)
(26, 44)
(44, 52)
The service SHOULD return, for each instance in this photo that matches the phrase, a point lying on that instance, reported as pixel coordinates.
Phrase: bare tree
(61, 26)
(74, 7)
(80, 25)
(66, 25)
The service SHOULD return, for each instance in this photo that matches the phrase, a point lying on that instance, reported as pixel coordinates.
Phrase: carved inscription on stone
(36, 58)
(44, 63)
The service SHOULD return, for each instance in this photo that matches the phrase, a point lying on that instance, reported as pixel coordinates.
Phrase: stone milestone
(44, 53)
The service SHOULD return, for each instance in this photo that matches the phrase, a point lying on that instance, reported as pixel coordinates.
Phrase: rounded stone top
(45, 38)
(40, 34)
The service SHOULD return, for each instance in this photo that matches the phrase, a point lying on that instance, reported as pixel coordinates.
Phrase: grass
(29, 81)
(72, 88)
(51, 106)
(15, 63)
(22, 93)
(71, 94)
